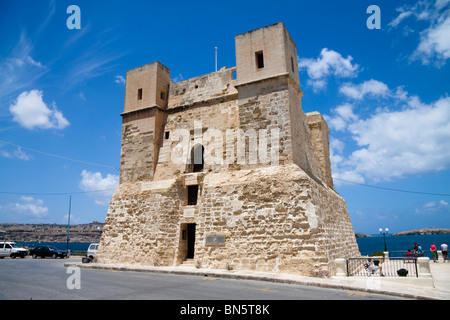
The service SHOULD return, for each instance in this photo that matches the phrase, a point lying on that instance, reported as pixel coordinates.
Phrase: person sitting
(409, 252)
(369, 266)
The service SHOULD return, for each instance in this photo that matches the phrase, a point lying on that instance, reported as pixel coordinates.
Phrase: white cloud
(328, 63)
(402, 16)
(371, 87)
(30, 111)
(340, 168)
(178, 78)
(119, 79)
(392, 144)
(18, 154)
(100, 188)
(336, 144)
(434, 43)
(342, 116)
(74, 219)
(31, 206)
(433, 207)
(19, 70)
(95, 61)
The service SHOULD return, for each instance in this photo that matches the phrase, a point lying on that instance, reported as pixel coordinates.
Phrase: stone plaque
(215, 239)
(188, 212)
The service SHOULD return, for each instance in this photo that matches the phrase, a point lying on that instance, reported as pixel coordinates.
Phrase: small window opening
(234, 76)
(259, 60)
(196, 87)
(163, 95)
(292, 64)
(197, 156)
(167, 134)
(192, 195)
(139, 94)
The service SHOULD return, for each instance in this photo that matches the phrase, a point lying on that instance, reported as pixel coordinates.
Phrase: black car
(47, 251)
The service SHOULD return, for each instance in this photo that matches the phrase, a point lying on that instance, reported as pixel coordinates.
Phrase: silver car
(12, 249)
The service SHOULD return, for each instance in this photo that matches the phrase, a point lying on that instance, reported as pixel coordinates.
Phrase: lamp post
(384, 235)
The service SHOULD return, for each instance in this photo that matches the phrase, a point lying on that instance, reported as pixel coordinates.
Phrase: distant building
(225, 170)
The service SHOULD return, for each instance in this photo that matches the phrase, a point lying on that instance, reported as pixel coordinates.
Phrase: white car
(12, 249)
(91, 251)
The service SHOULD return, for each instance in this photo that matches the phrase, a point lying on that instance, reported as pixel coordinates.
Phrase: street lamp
(384, 235)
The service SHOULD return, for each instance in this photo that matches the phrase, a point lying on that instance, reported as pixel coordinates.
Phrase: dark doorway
(190, 240)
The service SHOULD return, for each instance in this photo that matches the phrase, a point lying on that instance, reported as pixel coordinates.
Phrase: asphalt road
(48, 279)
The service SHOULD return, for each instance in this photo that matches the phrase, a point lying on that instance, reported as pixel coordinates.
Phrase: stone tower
(146, 96)
(225, 170)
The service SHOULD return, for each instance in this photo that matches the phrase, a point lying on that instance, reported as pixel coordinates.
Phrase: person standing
(419, 249)
(444, 249)
(415, 248)
(434, 252)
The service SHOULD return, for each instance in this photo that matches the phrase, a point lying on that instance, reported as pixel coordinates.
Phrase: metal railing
(389, 267)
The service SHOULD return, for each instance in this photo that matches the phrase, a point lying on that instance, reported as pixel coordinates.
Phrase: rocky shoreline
(423, 231)
(417, 232)
(90, 232)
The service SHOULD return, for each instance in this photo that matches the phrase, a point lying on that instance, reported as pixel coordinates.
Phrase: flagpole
(216, 57)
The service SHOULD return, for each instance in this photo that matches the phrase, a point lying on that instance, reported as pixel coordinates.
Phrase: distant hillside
(90, 232)
(423, 231)
(362, 235)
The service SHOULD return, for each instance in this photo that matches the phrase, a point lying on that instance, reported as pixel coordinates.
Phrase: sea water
(73, 246)
(396, 245)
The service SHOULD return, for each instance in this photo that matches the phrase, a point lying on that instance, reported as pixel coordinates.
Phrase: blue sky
(384, 93)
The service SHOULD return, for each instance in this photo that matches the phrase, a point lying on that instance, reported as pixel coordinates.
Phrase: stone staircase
(188, 263)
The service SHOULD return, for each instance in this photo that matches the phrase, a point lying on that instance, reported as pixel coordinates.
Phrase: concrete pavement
(437, 287)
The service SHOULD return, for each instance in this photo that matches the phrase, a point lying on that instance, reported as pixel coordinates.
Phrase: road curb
(257, 277)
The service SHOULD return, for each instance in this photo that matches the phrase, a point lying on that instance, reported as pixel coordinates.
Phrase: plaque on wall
(215, 239)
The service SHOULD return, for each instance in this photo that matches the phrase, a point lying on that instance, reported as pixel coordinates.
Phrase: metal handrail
(389, 266)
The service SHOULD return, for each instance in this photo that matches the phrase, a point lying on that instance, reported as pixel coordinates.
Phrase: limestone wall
(202, 88)
(141, 133)
(319, 133)
(274, 219)
(141, 226)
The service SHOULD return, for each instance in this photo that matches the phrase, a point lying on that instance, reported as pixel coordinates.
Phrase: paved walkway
(436, 288)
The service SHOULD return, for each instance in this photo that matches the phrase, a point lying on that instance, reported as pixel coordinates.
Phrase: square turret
(266, 52)
(147, 86)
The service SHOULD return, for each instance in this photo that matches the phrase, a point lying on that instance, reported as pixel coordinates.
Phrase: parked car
(12, 249)
(92, 250)
(48, 251)
(90, 254)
